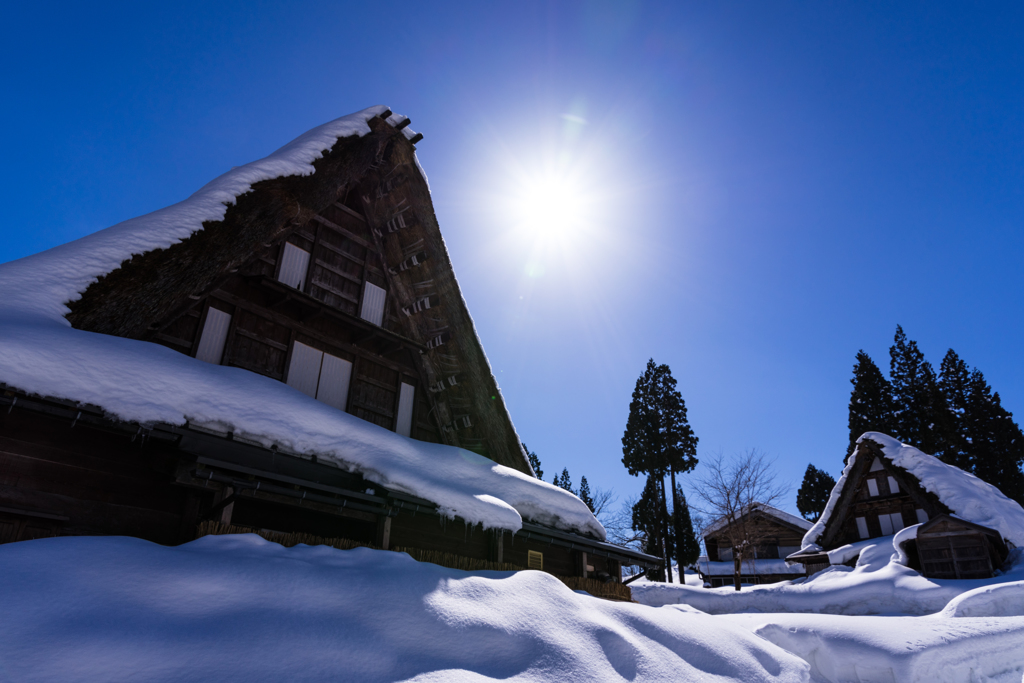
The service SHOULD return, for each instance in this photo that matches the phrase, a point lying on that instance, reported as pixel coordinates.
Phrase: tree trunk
(675, 527)
(665, 527)
(736, 562)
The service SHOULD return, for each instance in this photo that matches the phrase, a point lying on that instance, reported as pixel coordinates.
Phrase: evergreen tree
(920, 418)
(658, 440)
(955, 385)
(563, 481)
(534, 461)
(996, 443)
(584, 493)
(814, 493)
(647, 520)
(870, 401)
(687, 547)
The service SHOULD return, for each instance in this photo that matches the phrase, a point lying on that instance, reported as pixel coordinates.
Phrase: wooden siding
(98, 482)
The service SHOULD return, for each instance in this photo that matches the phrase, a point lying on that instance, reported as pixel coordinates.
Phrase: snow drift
(239, 608)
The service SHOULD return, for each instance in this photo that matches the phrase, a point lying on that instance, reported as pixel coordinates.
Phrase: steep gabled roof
(135, 381)
(963, 494)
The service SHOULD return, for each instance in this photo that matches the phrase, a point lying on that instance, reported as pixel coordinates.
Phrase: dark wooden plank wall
(102, 482)
(777, 534)
(264, 327)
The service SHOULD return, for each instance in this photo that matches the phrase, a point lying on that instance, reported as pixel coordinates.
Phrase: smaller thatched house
(772, 533)
(944, 522)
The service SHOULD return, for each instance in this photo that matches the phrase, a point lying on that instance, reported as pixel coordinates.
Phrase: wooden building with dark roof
(337, 283)
(773, 533)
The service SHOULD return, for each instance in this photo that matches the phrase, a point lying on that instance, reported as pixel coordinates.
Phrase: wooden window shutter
(304, 368)
(215, 335)
(294, 264)
(335, 376)
(405, 403)
(372, 308)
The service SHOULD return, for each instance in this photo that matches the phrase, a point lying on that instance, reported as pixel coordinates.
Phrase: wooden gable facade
(336, 283)
(878, 500)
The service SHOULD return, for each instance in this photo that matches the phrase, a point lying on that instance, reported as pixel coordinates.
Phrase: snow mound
(147, 383)
(1000, 600)
(968, 497)
(904, 649)
(872, 587)
(238, 608)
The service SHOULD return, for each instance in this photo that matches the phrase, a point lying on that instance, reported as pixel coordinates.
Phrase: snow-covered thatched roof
(966, 496)
(135, 381)
(767, 510)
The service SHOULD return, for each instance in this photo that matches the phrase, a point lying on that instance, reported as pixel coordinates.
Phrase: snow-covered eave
(549, 524)
(749, 567)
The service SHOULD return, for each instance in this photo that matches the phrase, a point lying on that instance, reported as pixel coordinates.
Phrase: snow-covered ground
(877, 585)
(239, 608)
(879, 621)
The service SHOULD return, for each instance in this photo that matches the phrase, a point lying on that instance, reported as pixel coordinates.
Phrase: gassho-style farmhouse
(286, 351)
(942, 521)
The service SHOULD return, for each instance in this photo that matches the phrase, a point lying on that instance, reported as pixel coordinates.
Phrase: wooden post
(383, 531)
(583, 563)
(225, 514)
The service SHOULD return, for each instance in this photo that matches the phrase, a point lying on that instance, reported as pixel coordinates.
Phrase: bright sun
(552, 207)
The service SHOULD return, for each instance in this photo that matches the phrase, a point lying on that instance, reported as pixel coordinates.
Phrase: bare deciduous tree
(603, 500)
(730, 492)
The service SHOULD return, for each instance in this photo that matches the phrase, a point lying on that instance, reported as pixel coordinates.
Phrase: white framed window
(862, 527)
(214, 336)
(886, 523)
(876, 465)
(294, 265)
(405, 403)
(872, 487)
(897, 521)
(320, 375)
(372, 307)
(893, 486)
(922, 516)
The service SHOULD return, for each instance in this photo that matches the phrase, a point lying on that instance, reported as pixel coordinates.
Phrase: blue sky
(759, 189)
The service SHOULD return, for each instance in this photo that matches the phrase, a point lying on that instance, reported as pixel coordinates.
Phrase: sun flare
(553, 207)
